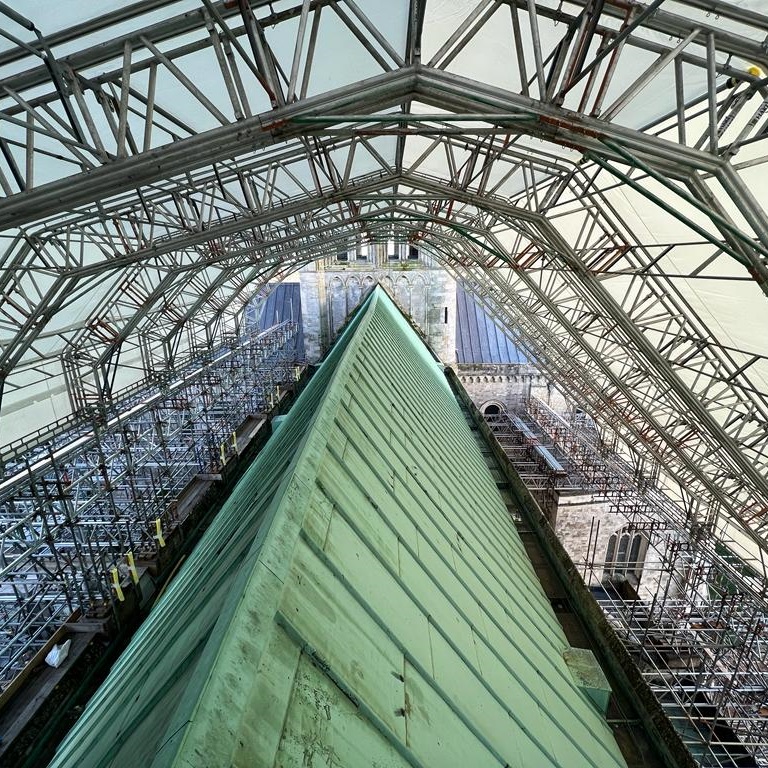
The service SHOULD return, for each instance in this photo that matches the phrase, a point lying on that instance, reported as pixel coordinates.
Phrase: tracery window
(625, 555)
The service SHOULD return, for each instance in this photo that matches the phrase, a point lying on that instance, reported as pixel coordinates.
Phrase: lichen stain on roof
(363, 598)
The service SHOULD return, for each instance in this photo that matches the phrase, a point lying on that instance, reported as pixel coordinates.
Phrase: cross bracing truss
(588, 168)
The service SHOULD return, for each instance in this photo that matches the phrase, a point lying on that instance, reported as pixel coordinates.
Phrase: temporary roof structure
(589, 169)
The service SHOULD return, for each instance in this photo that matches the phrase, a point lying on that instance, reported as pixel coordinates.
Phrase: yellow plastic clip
(132, 567)
(116, 585)
(234, 441)
(159, 533)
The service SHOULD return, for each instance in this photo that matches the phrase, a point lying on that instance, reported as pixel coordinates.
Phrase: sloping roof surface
(284, 303)
(362, 599)
(478, 338)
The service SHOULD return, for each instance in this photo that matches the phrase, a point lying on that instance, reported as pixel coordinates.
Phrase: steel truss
(249, 196)
(604, 362)
(77, 506)
(696, 624)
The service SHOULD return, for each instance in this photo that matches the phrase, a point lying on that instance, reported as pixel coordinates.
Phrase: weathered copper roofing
(363, 598)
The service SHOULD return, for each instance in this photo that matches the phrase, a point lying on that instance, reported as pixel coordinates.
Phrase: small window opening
(625, 555)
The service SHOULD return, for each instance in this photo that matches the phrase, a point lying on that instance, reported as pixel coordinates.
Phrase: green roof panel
(363, 598)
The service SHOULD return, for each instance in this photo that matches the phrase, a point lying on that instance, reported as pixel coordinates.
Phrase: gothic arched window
(625, 554)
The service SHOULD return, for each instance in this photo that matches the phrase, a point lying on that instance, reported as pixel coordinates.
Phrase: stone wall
(582, 517)
(504, 384)
(585, 525)
(313, 302)
(428, 296)
(330, 290)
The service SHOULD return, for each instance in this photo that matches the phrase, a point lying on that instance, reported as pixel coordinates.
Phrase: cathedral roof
(363, 598)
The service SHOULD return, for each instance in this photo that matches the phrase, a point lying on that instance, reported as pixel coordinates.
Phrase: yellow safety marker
(223, 454)
(159, 533)
(116, 585)
(234, 441)
(132, 567)
(752, 70)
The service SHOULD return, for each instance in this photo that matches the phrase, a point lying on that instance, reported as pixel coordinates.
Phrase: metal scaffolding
(532, 457)
(81, 510)
(692, 614)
